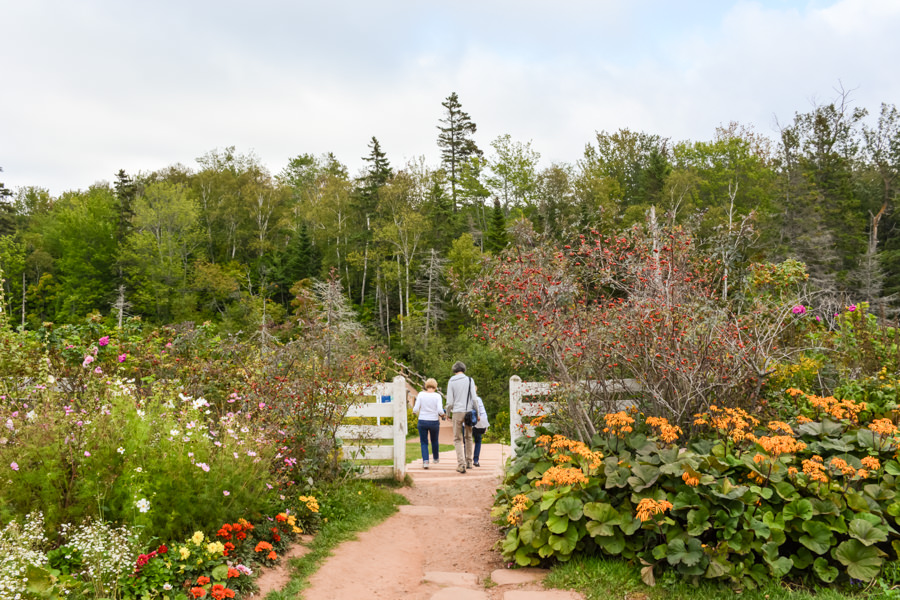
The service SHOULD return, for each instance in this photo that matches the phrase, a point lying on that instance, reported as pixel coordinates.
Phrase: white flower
(139, 470)
(120, 450)
(173, 432)
(140, 413)
(30, 415)
(143, 505)
(167, 586)
(200, 403)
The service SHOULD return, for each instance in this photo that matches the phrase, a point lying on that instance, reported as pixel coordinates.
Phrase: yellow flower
(184, 552)
(197, 538)
(215, 548)
(871, 463)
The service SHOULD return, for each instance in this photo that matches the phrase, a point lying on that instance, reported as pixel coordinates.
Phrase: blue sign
(385, 399)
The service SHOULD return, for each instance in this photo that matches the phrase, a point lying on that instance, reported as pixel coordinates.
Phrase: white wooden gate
(520, 410)
(390, 401)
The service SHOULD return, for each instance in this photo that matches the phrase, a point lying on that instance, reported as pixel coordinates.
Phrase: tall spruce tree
(496, 238)
(455, 142)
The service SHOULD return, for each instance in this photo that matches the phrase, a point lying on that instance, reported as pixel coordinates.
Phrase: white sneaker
(425, 465)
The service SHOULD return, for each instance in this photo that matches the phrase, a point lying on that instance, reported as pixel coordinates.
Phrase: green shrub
(813, 500)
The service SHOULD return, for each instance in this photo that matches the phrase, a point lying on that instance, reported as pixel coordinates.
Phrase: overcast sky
(89, 87)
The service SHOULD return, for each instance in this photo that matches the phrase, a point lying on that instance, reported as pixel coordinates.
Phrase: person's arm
(482, 413)
(439, 403)
(450, 396)
(418, 405)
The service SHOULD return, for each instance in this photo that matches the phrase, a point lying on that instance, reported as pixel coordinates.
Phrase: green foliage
(810, 500)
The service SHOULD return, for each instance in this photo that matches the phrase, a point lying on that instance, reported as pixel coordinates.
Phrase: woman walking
(428, 408)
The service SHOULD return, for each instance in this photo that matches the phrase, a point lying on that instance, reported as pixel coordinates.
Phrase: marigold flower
(690, 479)
(883, 427)
(648, 507)
(871, 463)
(559, 475)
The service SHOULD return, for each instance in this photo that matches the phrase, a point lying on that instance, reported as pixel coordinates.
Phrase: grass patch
(603, 578)
(354, 506)
(413, 452)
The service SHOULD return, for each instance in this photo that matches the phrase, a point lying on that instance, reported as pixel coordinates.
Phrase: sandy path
(446, 528)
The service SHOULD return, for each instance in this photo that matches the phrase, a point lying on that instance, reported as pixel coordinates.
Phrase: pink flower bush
(122, 357)
(104, 340)
(799, 309)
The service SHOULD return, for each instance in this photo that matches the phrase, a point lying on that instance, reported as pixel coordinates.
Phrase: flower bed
(813, 498)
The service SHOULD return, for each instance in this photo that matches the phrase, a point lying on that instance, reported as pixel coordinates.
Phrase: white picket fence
(356, 439)
(521, 410)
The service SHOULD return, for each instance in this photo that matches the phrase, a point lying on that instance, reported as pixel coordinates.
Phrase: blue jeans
(434, 428)
(477, 432)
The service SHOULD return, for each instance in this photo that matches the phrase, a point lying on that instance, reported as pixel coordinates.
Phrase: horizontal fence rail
(390, 402)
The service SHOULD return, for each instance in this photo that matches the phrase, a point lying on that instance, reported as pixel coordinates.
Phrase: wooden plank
(365, 432)
(356, 452)
(372, 409)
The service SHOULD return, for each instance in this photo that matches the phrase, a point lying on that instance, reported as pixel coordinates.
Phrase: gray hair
(459, 367)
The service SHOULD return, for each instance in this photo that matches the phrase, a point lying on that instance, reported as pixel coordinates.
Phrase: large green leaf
(688, 554)
(524, 559)
(818, 538)
(644, 476)
(613, 544)
(557, 524)
(866, 532)
(798, 509)
(565, 543)
(826, 572)
(569, 507)
(526, 531)
(602, 518)
(862, 562)
(511, 542)
(698, 521)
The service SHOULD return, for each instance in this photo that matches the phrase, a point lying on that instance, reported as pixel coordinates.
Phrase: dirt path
(439, 547)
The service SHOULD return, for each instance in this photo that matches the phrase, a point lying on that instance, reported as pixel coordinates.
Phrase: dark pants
(434, 428)
(477, 432)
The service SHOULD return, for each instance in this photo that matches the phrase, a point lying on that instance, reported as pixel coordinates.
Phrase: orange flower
(690, 479)
(202, 580)
(871, 463)
(814, 469)
(777, 445)
(668, 433)
(618, 424)
(232, 572)
(519, 504)
(272, 555)
(198, 592)
(281, 517)
(262, 547)
(781, 426)
(883, 427)
(559, 475)
(801, 419)
(218, 592)
(648, 507)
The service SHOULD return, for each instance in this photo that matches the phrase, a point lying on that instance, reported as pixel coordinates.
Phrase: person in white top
(479, 429)
(428, 408)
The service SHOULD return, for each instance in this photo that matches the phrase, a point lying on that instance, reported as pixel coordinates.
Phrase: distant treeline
(227, 239)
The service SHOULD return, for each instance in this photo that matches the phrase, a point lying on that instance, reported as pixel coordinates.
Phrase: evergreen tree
(496, 238)
(455, 142)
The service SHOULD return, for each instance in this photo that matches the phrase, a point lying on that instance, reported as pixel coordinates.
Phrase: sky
(89, 87)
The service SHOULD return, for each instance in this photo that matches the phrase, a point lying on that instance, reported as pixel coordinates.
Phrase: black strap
(468, 393)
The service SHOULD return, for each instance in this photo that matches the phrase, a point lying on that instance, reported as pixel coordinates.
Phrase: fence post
(515, 419)
(398, 400)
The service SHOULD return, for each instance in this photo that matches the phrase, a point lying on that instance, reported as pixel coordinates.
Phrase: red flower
(218, 591)
(276, 537)
(162, 549)
(202, 580)
(272, 555)
(281, 517)
(233, 573)
(198, 592)
(228, 548)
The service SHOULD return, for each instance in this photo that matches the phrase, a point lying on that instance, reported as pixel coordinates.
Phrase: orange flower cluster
(519, 505)
(220, 592)
(871, 463)
(736, 423)
(777, 445)
(781, 426)
(648, 507)
(668, 433)
(561, 442)
(883, 427)
(262, 547)
(801, 419)
(558, 475)
(814, 469)
(237, 530)
(837, 409)
(840, 465)
(198, 592)
(690, 479)
(618, 424)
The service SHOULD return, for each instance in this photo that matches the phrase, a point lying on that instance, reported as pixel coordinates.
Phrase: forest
(229, 242)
